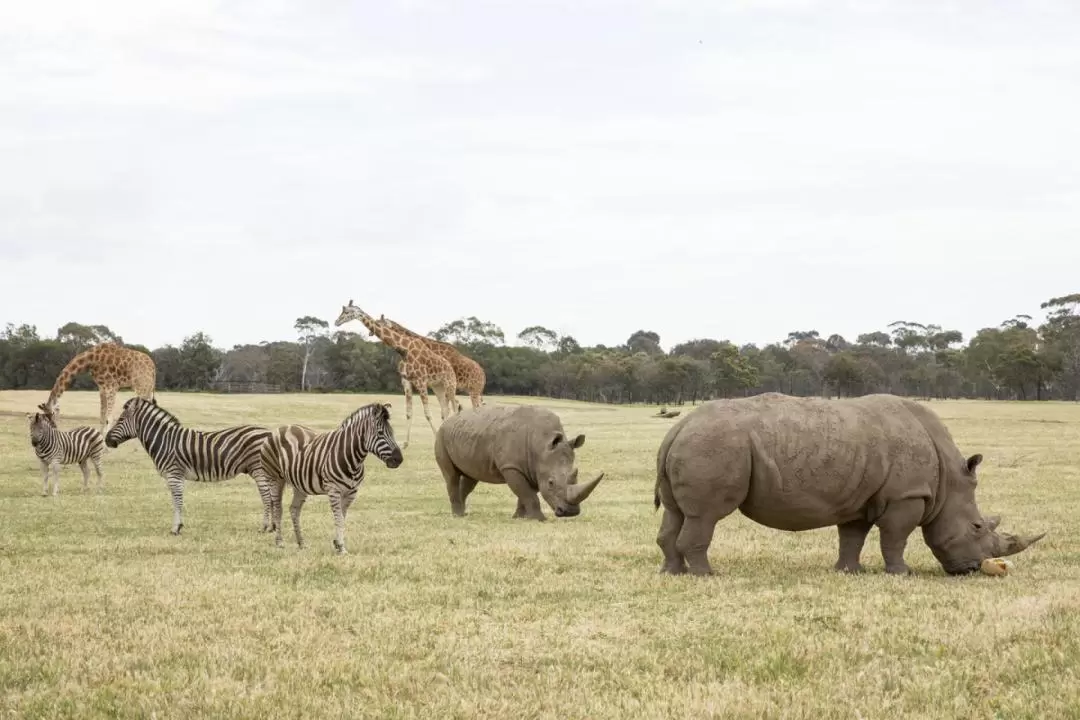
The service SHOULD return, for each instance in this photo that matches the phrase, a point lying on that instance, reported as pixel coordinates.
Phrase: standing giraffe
(112, 367)
(419, 367)
(470, 376)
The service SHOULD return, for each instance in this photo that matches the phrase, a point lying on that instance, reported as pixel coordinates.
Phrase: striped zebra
(55, 447)
(329, 463)
(181, 453)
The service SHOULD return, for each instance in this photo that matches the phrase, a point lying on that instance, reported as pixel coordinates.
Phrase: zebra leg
(97, 470)
(85, 467)
(175, 483)
(44, 478)
(55, 467)
(337, 502)
(347, 501)
(277, 490)
(266, 494)
(298, 498)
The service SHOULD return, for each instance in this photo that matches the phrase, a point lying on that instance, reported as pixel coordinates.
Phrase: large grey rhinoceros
(523, 446)
(803, 463)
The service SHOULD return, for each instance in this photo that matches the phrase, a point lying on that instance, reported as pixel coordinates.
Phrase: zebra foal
(181, 453)
(55, 447)
(329, 463)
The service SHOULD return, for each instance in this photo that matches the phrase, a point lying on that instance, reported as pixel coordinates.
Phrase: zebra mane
(364, 411)
(157, 413)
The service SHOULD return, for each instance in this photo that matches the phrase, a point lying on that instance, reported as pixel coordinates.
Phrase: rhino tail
(661, 465)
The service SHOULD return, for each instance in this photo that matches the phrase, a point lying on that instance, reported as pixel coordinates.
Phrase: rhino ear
(578, 441)
(973, 462)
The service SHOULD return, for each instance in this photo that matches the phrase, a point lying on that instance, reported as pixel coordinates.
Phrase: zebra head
(376, 434)
(138, 413)
(41, 425)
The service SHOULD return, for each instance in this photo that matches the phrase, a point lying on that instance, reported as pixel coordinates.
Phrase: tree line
(1017, 359)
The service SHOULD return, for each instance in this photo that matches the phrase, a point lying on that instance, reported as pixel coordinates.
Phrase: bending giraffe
(112, 367)
(470, 376)
(418, 368)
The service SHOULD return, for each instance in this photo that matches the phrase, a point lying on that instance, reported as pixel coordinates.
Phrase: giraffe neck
(75, 366)
(394, 339)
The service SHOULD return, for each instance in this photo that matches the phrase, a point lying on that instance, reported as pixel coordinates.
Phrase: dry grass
(103, 613)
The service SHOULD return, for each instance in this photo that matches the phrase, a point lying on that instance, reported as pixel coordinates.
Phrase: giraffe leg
(442, 396)
(475, 398)
(427, 410)
(408, 411)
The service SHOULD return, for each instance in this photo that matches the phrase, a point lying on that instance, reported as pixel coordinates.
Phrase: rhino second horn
(1014, 544)
(575, 494)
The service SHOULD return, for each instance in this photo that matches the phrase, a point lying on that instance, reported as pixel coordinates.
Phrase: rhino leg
(898, 522)
(852, 538)
(528, 500)
(670, 526)
(453, 478)
(693, 543)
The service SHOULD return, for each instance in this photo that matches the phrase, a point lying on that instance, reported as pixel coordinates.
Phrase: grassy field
(104, 613)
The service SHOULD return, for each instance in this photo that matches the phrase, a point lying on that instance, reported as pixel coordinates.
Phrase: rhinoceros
(803, 463)
(522, 446)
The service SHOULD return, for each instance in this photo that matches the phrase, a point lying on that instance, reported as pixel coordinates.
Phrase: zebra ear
(386, 405)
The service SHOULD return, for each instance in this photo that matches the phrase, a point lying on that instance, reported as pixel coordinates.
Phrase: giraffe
(112, 367)
(419, 367)
(470, 376)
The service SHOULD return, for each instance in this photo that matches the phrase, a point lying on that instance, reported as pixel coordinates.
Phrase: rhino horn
(575, 493)
(992, 521)
(1012, 544)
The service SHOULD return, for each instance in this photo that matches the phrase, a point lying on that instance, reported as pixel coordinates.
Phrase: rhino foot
(845, 567)
(672, 569)
(901, 569)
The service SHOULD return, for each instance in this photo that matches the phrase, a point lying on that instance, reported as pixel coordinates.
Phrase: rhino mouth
(965, 568)
(572, 511)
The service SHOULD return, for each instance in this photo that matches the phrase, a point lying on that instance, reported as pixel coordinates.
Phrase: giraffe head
(51, 406)
(351, 312)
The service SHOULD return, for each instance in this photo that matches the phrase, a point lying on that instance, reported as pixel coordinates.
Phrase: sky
(723, 168)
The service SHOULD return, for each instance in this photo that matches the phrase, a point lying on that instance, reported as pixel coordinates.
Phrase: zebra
(329, 463)
(181, 453)
(55, 447)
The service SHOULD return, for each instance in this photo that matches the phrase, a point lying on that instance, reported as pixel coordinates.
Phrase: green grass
(104, 614)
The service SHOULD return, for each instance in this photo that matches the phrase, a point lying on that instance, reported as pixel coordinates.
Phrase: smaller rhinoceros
(523, 446)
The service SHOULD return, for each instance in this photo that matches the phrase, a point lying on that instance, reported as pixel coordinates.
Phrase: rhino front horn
(575, 494)
(1014, 544)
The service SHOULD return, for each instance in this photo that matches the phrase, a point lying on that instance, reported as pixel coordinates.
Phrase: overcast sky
(701, 169)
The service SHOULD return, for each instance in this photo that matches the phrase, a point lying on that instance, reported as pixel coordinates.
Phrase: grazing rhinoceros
(803, 463)
(523, 446)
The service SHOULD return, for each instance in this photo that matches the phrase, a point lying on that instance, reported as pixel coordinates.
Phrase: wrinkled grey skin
(524, 447)
(803, 463)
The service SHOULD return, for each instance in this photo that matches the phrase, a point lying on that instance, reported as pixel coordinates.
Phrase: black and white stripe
(181, 453)
(329, 463)
(55, 447)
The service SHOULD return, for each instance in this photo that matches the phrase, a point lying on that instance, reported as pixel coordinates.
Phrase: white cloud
(536, 163)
